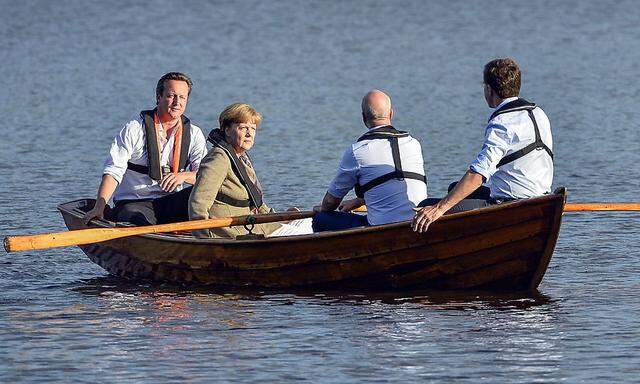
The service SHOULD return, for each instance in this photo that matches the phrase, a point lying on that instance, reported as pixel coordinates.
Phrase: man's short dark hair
(503, 76)
(172, 76)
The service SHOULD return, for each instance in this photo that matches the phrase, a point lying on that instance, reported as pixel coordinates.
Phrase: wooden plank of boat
(506, 247)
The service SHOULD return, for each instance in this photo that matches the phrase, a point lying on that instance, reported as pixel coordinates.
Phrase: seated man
(151, 159)
(516, 160)
(385, 167)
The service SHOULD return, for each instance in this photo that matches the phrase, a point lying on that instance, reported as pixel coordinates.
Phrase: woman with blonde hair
(226, 182)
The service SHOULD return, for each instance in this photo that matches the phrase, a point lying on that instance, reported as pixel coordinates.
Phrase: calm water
(75, 71)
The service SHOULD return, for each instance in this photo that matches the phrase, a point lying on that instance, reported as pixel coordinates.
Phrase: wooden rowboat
(503, 247)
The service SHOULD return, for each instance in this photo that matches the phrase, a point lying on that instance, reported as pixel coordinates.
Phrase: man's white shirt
(130, 146)
(528, 176)
(366, 160)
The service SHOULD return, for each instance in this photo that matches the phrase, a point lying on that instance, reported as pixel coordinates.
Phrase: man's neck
(378, 123)
(501, 102)
(167, 120)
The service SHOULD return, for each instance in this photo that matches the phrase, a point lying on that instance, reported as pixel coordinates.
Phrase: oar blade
(63, 239)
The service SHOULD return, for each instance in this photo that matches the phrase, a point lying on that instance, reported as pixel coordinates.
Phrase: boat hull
(504, 247)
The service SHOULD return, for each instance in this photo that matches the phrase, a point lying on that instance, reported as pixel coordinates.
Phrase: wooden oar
(576, 207)
(96, 235)
(587, 207)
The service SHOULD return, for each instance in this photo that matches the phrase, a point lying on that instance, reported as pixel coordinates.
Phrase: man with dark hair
(151, 159)
(516, 160)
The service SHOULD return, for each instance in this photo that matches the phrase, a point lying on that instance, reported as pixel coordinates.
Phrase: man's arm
(496, 143)
(345, 179)
(105, 191)
(427, 215)
(350, 205)
(329, 203)
(122, 147)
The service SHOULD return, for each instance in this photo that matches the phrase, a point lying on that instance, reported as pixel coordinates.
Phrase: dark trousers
(166, 209)
(336, 221)
(479, 198)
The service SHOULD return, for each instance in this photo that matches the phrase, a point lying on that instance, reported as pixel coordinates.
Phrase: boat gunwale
(71, 208)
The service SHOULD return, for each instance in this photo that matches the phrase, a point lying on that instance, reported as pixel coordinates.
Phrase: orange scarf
(177, 142)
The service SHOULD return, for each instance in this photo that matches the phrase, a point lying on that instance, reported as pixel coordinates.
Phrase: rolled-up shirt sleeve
(496, 144)
(122, 148)
(347, 176)
(198, 149)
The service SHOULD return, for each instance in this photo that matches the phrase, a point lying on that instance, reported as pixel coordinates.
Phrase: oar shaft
(576, 207)
(585, 207)
(96, 235)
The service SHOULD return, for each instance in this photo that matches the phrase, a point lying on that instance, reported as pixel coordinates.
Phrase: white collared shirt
(528, 176)
(366, 160)
(130, 146)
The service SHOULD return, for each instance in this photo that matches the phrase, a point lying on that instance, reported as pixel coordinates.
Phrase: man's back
(393, 200)
(532, 174)
(384, 166)
(529, 175)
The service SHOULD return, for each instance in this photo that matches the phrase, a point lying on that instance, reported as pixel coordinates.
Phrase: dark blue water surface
(75, 71)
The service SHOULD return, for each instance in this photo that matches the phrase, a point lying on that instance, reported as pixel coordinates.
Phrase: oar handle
(96, 235)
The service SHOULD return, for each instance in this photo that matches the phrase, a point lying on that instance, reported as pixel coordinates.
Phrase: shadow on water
(451, 300)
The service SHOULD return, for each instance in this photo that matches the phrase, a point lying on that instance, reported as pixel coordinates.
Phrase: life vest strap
(360, 190)
(538, 144)
(234, 202)
(145, 170)
(391, 134)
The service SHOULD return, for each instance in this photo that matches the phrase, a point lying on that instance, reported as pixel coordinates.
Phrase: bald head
(376, 109)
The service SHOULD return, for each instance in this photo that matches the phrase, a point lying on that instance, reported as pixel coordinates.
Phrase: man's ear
(391, 114)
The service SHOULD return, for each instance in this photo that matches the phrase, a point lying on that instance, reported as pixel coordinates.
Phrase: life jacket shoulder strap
(385, 132)
(153, 152)
(538, 144)
(513, 106)
(185, 144)
(397, 173)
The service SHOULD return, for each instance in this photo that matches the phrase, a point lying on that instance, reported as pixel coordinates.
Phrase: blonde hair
(239, 113)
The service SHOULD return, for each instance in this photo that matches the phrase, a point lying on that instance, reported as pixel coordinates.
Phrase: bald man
(384, 166)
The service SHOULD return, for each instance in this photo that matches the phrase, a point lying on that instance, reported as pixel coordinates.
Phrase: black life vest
(216, 137)
(153, 168)
(522, 105)
(389, 133)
